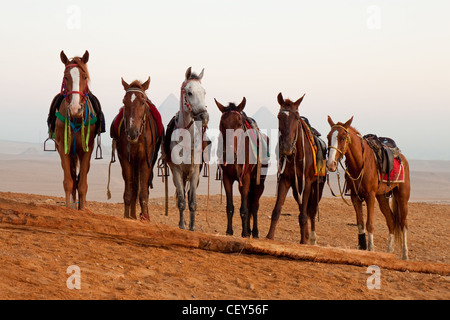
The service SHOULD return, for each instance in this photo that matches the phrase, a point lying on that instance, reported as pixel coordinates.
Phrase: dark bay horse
(363, 181)
(237, 165)
(296, 170)
(136, 133)
(75, 128)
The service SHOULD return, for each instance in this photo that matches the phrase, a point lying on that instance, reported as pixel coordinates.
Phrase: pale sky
(387, 63)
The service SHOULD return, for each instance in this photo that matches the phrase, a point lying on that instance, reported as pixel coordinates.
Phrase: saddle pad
(397, 174)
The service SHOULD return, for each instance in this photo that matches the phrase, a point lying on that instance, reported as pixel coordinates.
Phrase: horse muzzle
(133, 136)
(286, 149)
(331, 165)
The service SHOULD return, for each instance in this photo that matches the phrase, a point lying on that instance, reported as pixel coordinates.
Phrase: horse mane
(231, 107)
(136, 84)
(81, 65)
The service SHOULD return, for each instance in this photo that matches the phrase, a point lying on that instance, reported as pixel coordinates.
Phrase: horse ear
(241, 106)
(330, 121)
(219, 105)
(297, 103)
(348, 123)
(125, 85)
(188, 73)
(200, 76)
(280, 99)
(146, 84)
(85, 57)
(63, 57)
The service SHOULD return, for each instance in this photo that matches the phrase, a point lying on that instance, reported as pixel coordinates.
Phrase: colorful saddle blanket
(397, 175)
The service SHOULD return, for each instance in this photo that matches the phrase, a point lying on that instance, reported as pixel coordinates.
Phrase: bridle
(293, 145)
(143, 115)
(66, 94)
(342, 153)
(347, 142)
(184, 101)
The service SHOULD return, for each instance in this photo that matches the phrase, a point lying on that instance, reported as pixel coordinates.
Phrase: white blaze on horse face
(133, 96)
(74, 105)
(331, 164)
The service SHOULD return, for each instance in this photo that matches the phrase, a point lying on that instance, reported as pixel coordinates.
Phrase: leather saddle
(386, 151)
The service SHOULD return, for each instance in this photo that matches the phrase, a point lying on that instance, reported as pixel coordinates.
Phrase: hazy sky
(387, 63)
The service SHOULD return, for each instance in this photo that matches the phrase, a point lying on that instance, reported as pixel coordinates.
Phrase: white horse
(186, 144)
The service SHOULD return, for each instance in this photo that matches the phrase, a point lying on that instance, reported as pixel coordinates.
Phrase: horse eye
(190, 93)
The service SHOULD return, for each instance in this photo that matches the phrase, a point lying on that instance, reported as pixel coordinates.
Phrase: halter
(143, 116)
(84, 95)
(347, 173)
(185, 102)
(347, 141)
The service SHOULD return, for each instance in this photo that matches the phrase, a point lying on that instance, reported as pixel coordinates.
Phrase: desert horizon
(26, 168)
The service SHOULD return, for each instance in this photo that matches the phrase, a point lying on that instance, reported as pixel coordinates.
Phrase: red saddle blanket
(117, 122)
(397, 174)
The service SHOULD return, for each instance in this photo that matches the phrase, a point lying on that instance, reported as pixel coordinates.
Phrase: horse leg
(254, 196)
(228, 186)
(144, 177)
(357, 205)
(68, 180)
(400, 211)
(313, 204)
(303, 216)
(73, 173)
(127, 177)
(181, 202)
(370, 203)
(85, 163)
(192, 196)
(244, 190)
(282, 190)
(383, 202)
(134, 191)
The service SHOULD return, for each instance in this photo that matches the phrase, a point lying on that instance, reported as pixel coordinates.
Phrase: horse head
(75, 83)
(338, 141)
(193, 95)
(134, 103)
(288, 124)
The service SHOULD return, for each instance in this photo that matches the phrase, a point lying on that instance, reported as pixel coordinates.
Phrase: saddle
(385, 150)
(318, 145)
(56, 103)
(168, 138)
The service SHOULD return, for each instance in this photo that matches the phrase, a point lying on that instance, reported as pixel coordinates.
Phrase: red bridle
(67, 94)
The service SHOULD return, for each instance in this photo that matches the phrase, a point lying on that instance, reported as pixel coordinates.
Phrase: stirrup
(163, 168)
(219, 173)
(99, 155)
(206, 170)
(45, 144)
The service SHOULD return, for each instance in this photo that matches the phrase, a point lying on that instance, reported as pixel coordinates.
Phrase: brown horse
(363, 181)
(296, 170)
(137, 139)
(237, 168)
(75, 128)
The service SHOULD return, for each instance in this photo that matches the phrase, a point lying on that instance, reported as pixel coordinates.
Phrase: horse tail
(398, 232)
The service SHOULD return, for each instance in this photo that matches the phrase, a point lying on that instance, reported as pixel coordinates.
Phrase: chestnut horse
(137, 141)
(296, 170)
(237, 168)
(75, 129)
(363, 181)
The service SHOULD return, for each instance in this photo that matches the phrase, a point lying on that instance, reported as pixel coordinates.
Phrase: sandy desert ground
(124, 259)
